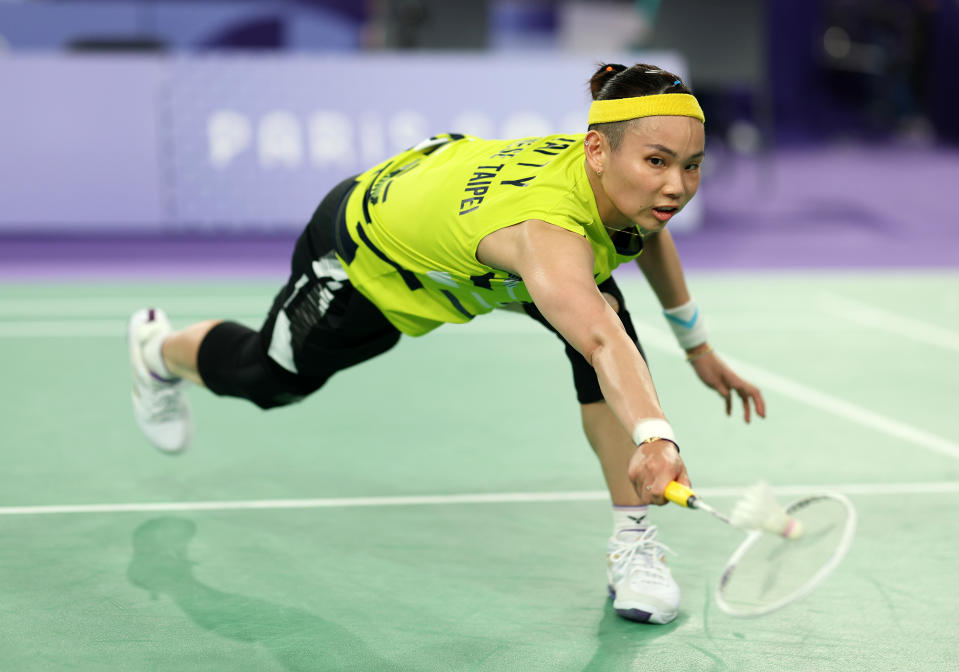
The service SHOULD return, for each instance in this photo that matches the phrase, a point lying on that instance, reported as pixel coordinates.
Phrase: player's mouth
(664, 212)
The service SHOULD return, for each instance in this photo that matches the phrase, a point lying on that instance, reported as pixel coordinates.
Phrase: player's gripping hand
(652, 467)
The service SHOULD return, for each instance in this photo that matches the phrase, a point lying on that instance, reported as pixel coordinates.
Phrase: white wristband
(687, 324)
(652, 429)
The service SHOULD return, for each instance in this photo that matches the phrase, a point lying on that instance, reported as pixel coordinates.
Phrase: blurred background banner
(253, 142)
(80, 143)
(825, 118)
(257, 142)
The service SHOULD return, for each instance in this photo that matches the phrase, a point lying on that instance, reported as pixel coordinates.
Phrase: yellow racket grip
(678, 493)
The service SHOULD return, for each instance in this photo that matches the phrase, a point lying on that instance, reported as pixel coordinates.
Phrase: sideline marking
(105, 306)
(865, 489)
(105, 328)
(866, 315)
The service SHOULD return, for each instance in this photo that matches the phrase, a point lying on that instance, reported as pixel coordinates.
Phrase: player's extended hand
(652, 467)
(716, 374)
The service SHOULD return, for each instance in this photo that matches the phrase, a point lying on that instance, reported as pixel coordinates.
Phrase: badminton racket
(788, 551)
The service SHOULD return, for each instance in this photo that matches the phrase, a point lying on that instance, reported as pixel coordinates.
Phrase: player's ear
(597, 151)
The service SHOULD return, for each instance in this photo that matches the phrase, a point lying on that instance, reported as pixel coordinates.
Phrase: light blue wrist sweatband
(687, 324)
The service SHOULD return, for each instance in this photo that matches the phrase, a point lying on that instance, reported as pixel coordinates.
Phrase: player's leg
(639, 581)
(235, 364)
(319, 324)
(614, 448)
(180, 350)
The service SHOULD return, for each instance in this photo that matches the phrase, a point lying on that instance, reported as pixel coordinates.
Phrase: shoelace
(649, 551)
(165, 403)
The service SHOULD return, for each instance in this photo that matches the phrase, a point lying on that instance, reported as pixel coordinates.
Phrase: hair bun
(604, 74)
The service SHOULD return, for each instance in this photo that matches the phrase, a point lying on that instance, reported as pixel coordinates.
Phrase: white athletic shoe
(159, 404)
(640, 583)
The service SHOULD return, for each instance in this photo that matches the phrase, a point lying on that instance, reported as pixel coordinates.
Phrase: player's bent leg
(180, 350)
(233, 361)
(160, 406)
(228, 358)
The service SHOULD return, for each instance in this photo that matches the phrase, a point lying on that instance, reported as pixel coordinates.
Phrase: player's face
(655, 171)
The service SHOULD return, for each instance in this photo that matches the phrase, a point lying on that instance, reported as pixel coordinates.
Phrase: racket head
(767, 572)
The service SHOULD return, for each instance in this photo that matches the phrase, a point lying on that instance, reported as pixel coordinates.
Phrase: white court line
(864, 489)
(113, 305)
(911, 328)
(77, 328)
(820, 400)
(62, 328)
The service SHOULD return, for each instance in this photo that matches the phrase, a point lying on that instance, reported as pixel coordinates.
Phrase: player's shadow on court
(297, 639)
(622, 642)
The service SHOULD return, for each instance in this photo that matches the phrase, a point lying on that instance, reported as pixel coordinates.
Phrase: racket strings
(769, 571)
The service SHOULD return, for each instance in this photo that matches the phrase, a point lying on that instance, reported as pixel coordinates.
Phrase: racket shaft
(677, 493)
(703, 506)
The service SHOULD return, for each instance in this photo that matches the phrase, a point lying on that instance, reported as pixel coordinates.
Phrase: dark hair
(612, 80)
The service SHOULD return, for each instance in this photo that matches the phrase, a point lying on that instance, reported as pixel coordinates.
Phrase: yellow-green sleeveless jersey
(413, 223)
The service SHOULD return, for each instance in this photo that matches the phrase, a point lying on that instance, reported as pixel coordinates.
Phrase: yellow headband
(663, 104)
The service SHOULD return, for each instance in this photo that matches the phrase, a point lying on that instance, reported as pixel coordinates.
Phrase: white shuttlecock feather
(758, 510)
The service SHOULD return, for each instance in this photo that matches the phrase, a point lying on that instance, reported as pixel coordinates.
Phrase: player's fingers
(656, 495)
(648, 495)
(760, 402)
(745, 397)
(753, 393)
(657, 486)
(724, 392)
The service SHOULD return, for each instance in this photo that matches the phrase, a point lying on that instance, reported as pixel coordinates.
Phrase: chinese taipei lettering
(484, 176)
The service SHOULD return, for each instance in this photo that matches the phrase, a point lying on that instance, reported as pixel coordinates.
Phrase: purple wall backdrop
(79, 142)
(252, 143)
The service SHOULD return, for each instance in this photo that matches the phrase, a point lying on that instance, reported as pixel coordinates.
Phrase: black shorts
(320, 324)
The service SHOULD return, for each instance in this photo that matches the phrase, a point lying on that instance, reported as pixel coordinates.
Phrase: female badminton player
(459, 226)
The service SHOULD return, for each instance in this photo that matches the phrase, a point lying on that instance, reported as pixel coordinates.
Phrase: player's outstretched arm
(557, 268)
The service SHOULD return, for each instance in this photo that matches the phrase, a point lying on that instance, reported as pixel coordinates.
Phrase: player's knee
(611, 300)
(233, 362)
(273, 387)
(278, 400)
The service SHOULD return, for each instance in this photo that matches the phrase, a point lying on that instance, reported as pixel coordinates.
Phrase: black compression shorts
(318, 325)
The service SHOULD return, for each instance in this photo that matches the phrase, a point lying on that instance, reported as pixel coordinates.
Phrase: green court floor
(439, 509)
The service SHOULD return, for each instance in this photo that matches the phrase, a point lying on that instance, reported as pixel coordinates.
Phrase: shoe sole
(638, 615)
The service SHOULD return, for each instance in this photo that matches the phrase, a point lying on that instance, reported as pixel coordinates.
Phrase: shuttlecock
(758, 510)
